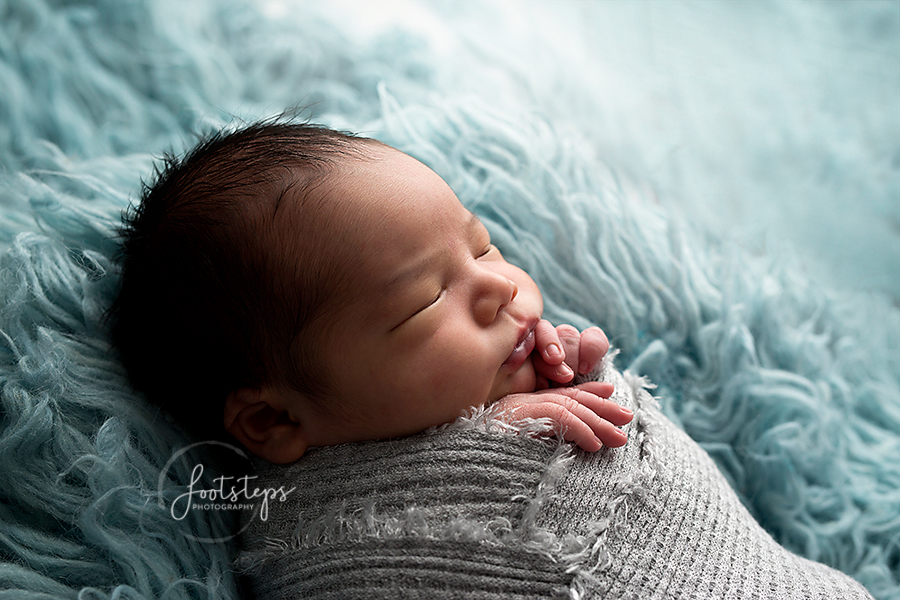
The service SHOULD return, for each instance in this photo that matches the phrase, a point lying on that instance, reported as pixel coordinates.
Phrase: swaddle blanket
(615, 167)
(474, 510)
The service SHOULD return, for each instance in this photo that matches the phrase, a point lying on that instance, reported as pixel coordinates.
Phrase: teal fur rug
(717, 185)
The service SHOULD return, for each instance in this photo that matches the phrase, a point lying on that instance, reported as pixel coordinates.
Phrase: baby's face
(437, 320)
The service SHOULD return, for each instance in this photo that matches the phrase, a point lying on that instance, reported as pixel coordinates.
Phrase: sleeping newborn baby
(328, 302)
(332, 289)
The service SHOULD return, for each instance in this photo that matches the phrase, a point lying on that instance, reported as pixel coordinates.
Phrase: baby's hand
(561, 352)
(583, 414)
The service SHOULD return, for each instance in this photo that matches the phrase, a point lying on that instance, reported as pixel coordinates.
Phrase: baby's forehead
(368, 203)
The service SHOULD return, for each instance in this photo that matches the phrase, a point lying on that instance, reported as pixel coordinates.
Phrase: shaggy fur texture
(791, 385)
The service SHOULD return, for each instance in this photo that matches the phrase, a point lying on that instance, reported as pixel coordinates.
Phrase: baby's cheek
(457, 383)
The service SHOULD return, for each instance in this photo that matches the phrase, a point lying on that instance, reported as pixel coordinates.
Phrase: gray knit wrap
(484, 510)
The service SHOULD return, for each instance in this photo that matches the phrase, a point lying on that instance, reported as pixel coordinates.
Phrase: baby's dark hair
(212, 298)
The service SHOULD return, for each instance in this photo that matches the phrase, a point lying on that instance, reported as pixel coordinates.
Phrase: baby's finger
(547, 344)
(596, 395)
(578, 418)
(575, 413)
(578, 428)
(557, 374)
(604, 389)
(570, 338)
(594, 346)
(563, 412)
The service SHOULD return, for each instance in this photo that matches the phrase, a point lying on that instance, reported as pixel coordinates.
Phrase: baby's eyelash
(430, 303)
(485, 251)
(433, 300)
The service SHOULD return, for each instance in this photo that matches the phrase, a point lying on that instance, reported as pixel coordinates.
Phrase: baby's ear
(258, 418)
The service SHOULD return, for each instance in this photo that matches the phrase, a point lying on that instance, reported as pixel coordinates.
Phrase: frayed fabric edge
(590, 554)
(488, 418)
(347, 525)
(584, 556)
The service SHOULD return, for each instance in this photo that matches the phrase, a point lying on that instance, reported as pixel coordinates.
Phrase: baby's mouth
(521, 352)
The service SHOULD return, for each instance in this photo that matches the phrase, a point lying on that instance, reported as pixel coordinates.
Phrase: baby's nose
(514, 291)
(498, 294)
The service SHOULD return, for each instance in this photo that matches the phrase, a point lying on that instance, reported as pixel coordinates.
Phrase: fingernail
(554, 351)
(584, 367)
(564, 370)
(627, 411)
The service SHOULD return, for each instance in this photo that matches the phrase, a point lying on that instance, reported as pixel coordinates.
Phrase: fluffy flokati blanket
(715, 185)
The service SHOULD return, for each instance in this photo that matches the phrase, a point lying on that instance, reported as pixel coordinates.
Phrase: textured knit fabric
(714, 184)
(475, 510)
